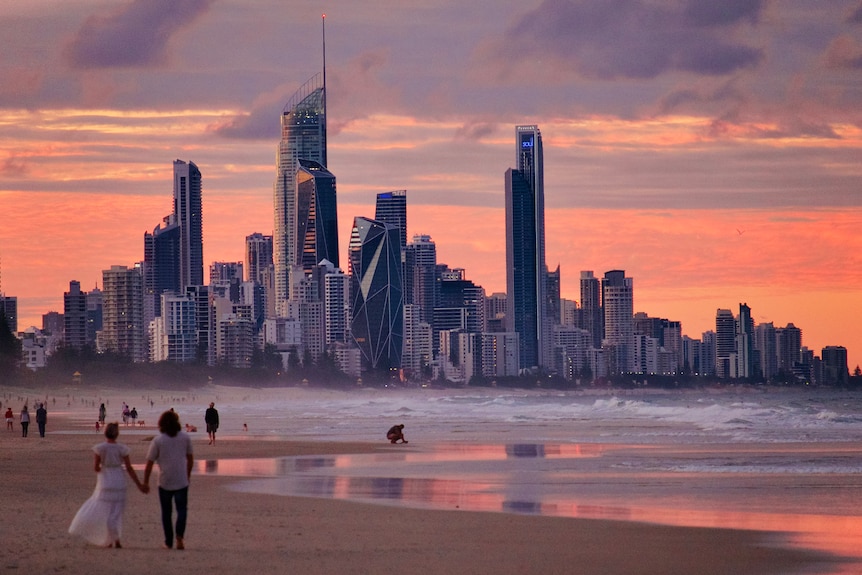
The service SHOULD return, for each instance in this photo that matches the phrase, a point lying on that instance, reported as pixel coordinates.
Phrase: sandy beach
(46, 480)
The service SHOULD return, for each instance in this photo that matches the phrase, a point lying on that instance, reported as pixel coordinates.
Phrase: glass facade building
(303, 136)
(316, 216)
(161, 265)
(526, 274)
(188, 212)
(391, 208)
(377, 323)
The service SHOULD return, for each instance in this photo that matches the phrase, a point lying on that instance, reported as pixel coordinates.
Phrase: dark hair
(169, 423)
(112, 430)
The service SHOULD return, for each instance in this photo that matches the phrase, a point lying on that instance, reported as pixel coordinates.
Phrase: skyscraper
(377, 324)
(260, 268)
(745, 360)
(835, 370)
(75, 316)
(725, 341)
(420, 276)
(189, 217)
(123, 329)
(258, 257)
(303, 136)
(788, 347)
(553, 296)
(9, 307)
(764, 346)
(391, 208)
(618, 307)
(161, 265)
(526, 273)
(316, 216)
(591, 308)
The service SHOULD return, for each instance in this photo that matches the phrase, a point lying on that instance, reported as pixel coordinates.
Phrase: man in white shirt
(172, 449)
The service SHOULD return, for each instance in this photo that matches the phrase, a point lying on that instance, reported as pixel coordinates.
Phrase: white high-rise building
(336, 300)
(618, 307)
(123, 330)
(418, 347)
(500, 356)
(173, 334)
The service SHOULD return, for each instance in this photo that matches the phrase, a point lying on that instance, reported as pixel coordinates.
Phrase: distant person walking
(41, 419)
(211, 419)
(172, 449)
(10, 418)
(25, 421)
(102, 414)
(100, 519)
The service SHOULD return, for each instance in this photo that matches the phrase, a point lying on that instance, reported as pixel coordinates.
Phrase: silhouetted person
(41, 419)
(211, 419)
(396, 434)
(25, 421)
(172, 449)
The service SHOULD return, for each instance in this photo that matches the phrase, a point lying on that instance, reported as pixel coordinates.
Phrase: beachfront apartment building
(123, 330)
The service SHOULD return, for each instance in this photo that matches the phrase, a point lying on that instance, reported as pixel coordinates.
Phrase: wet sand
(44, 481)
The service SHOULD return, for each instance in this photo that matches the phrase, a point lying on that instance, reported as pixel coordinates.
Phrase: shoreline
(46, 480)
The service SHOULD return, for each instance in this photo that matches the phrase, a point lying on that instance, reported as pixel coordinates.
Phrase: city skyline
(716, 169)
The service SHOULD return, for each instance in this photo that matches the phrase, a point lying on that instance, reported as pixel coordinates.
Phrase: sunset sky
(711, 149)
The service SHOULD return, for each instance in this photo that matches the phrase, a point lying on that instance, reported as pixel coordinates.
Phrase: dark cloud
(474, 131)
(631, 38)
(717, 58)
(261, 123)
(721, 12)
(725, 97)
(136, 35)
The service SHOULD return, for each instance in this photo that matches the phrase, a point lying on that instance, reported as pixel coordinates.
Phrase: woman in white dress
(100, 519)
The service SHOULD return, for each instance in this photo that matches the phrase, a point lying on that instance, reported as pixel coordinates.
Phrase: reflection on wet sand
(585, 481)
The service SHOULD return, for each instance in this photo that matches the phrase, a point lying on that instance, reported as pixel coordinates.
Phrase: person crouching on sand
(395, 433)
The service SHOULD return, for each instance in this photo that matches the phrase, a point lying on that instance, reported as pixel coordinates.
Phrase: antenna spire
(323, 24)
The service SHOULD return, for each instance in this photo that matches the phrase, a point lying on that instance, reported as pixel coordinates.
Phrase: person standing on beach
(172, 449)
(211, 419)
(41, 419)
(25, 421)
(10, 418)
(102, 414)
(100, 518)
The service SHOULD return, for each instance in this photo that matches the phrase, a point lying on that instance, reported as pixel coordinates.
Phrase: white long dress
(100, 519)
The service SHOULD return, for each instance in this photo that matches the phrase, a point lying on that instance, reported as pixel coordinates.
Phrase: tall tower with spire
(303, 137)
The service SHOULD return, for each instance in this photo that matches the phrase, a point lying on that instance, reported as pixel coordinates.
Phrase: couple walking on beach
(41, 420)
(100, 519)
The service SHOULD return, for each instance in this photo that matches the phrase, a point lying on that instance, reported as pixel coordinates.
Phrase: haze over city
(712, 154)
